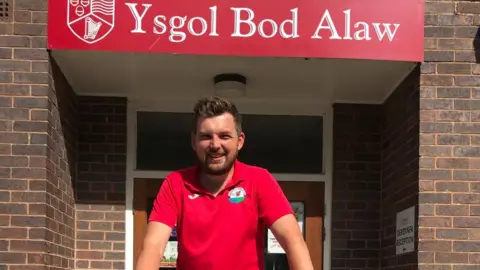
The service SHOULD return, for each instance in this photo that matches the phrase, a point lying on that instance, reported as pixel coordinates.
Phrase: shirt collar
(193, 181)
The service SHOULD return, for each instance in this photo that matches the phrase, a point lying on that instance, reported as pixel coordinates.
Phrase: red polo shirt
(222, 232)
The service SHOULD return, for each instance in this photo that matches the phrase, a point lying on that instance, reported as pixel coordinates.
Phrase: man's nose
(215, 142)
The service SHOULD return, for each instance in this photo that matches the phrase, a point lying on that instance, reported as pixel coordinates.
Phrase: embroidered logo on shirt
(193, 196)
(237, 195)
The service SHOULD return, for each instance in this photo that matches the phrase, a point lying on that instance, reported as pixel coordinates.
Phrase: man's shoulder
(254, 171)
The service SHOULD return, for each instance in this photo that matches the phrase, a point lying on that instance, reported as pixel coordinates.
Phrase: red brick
(455, 44)
(438, 80)
(474, 258)
(467, 222)
(439, 8)
(452, 163)
(461, 234)
(454, 92)
(466, 198)
(435, 222)
(434, 104)
(98, 255)
(453, 139)
(453, 186)
(468, 8)
(435, 246)
(467, 80)
(464, 56)
(12, 257)
(452, 210)
(451, 258)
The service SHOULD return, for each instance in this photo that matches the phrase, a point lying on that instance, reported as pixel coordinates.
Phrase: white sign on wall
(405, 231)
(273, 247)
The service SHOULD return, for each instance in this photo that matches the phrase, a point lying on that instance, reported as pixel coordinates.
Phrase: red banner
(358, 29)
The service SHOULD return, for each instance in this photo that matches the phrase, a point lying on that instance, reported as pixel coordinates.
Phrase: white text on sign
(247, 24)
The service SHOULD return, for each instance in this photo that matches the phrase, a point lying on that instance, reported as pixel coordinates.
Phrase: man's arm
(279, 217)
(288, 234)
(161, 222)
(153, 246)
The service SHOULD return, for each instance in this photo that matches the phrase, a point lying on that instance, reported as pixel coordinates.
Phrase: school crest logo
(237, 195)
(91, 20)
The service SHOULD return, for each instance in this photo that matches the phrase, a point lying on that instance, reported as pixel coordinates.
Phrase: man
(221, 206)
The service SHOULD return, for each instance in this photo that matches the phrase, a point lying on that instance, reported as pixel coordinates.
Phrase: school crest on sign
(91, 20)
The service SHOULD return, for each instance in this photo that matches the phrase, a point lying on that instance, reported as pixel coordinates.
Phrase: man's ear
(192, 140)
(241, 141)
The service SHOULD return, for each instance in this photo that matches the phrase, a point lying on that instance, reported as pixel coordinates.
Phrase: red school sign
(357, 29)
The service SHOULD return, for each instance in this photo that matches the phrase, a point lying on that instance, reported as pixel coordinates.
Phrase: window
(280, 143)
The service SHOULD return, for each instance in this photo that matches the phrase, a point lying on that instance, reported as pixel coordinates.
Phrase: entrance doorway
(276, 133)
(308, 195)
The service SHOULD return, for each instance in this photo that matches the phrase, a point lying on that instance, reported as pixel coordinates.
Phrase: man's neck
(216, 183)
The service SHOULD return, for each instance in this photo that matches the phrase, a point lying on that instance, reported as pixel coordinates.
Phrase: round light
(230, 85)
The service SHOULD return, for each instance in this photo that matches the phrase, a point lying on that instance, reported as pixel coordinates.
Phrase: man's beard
(216, 171)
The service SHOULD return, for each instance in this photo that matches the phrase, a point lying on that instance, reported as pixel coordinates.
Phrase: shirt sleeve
(165, 207)
(273, 203)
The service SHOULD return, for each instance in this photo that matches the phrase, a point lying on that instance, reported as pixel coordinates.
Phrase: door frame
(245, 106)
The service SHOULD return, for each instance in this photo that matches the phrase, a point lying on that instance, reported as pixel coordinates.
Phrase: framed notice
(273, 247)
(405, 231)
(170, 254)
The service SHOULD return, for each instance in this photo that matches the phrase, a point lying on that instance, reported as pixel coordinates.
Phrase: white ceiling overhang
(163, 76)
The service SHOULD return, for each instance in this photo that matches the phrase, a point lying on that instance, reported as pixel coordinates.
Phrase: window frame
(147, 165)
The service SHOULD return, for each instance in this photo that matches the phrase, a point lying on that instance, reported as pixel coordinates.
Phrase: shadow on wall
(93, 151)
(63, 120)
(476, 46)
(101, 150)
(94, 133)
(400, 166)
(61, 154)
(376, 167)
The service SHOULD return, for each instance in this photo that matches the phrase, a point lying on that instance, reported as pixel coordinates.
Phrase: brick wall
(100, 190)
(450, 138)
(400, 166)
(36, 196)
(356, 187)
(60, 165)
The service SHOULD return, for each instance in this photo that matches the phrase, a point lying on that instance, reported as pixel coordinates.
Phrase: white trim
(328, 174)
(131, 156)
(246, 107)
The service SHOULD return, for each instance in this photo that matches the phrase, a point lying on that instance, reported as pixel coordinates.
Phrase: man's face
(217, 143)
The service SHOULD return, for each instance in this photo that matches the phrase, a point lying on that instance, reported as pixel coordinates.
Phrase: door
(309, 197)
(306, 195)
(145, 191)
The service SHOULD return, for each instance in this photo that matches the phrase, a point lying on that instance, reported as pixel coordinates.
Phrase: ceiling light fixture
(230, 85)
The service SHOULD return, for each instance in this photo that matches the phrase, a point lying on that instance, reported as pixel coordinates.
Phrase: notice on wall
(405, 231)
(170, 254)
(273, 247)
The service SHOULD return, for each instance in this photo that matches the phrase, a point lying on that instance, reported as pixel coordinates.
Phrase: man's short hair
(215, 106)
